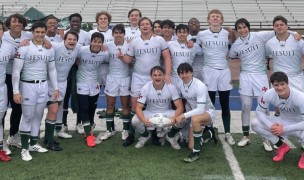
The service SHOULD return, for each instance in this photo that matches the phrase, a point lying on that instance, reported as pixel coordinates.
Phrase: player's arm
(231, 35)
(140, 114)
(261, 112)
(53, 77)
(179, 109)
(17, 67)
(168, 64)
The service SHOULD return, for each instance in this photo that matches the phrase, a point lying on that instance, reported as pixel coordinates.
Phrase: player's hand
(25, 42)
(77, 61)
(173, 121)
(276, 129)
(47, 44)
(297, 36)
(190, 44)
(60, 32)
(56, 95)
(119, 54)
(168, 79)
(179, 118)
(147, 123)
(17, 98)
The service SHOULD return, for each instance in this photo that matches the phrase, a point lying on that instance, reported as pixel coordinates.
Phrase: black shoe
(155, 141)
(46, 142)
(53, 146)
(129, 140)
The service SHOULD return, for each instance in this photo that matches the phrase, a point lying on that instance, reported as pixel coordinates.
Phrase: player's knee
(255, 123)
(246, 107)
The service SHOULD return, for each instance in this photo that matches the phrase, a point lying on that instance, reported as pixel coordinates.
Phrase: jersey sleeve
(198, 49)
(87, 39)
(198, 39)
(265, 35)
(268, 49)
(174, 93)
(201, 102)
(142, 98)
(233, 51)
(130, 51)
(163, 44)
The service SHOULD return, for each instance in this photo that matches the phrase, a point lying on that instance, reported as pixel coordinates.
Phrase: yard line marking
(233, 163)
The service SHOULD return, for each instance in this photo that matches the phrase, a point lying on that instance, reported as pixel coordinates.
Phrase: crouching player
(200, 110)
(291, 120)
(158, 96)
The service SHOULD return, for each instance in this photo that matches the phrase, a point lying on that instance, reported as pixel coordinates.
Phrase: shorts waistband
(34, 81)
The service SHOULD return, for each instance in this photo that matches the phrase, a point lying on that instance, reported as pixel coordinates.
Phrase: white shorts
(253, 84)
(212, 114)
(3, 98)
(88, 89)
(138, 81)
(117, 86)
(33, 93)
(217, 80)
(62, 89)
(102, 74)
(297, 81)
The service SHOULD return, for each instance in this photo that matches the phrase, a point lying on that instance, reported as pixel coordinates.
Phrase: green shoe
(193, 156)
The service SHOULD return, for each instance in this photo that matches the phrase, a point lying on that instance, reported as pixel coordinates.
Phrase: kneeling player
(158, 96)
(201, 110)
(291, 120)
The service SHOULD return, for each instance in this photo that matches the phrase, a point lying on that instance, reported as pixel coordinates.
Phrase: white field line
(233, 163)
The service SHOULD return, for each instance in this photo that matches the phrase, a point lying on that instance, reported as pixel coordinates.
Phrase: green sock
(33, 140)
(58, 127)
(50, 126)
(279, 143)
(174, 130)
(126, 121)
(1, 145)
(245, 130)
(197, 140)
(145, 134)
(110, 121)
(226, 122)
(206, 135)
(25, 136)
(46, 135)
(131, 128)
(87, 128)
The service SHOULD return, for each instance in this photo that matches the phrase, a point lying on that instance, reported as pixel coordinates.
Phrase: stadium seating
(259, 12)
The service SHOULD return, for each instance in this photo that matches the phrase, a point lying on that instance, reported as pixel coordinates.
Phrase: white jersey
(198, 59)
(146, 53)
(132, 33)
(36, 59)
(117, 67)
(81, 36)
(291, 109)
(158, 100)
(5, 56)
(107, 36)
(89, 63)
(12, 45)
(180, 53)
(196, 93)
(251, 51)
(56, 39)
(64, 60)
(286, 55)
(215, 47)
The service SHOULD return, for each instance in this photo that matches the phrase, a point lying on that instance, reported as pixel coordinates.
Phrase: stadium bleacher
(259, 12)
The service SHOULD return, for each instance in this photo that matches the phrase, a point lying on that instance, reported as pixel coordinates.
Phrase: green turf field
(110, 160)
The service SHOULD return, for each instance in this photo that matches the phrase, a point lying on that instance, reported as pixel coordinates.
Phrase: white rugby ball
(160, 120)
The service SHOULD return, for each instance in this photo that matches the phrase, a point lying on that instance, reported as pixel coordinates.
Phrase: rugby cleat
(25, 155)
(244, 141)
(4, 157)
(173, 142)
(193, 156)
(37, 148)
(267, 145)
(91, 140)
(301, 162)
(142, 141)
(229, 139)
(280, 153)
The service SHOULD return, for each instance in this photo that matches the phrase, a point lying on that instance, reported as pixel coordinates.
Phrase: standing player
(146, 50)
(158, 96)
(34, 63)
(199, 110)
(216, 73)
(10, 41)
(291, 120)
(286, 53)
(157, 27)
(167, 30)
(52, 33)
(87, 82)
(118, 82)
(179, 51)
(133, 31)
(65, 55)
(75, 25)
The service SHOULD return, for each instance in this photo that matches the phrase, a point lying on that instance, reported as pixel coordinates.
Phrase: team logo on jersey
(262, 101)
(93, 55)
(146, 43)
(264, 89)
(40, 50)
(26, 99)
(183, 47)
(17, 55)
(140, 96)
(133, 32)
(97, 86)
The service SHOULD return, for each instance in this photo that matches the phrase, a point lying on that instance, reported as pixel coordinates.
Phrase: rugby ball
(160, 120)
